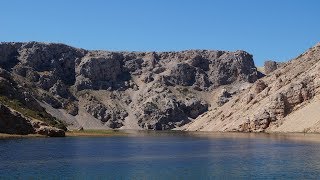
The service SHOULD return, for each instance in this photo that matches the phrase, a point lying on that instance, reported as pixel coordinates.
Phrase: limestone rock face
(183, 74)
(159, 109)
(8, 55)
(54, 61)
(103, 89)
(282, 101)
(59, 89)
(110, 116)
(231, 67)
(10, 89)
(99, 70)
(192, 90)
(162, 115)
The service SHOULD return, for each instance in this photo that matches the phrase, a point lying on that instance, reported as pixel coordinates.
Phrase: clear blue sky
(268, 29)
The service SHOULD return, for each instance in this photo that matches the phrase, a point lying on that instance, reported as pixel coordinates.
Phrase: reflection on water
(163, 155)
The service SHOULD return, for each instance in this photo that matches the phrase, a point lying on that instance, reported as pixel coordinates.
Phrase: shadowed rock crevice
(13, 123)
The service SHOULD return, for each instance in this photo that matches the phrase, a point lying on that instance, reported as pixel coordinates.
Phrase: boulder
(194, 107)
(260, 86)
(50, 131)
(270, 66)
(223, 97)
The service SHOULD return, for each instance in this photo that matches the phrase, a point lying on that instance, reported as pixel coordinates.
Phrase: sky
(268, 29)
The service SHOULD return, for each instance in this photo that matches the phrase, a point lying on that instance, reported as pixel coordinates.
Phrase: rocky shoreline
(71, 133)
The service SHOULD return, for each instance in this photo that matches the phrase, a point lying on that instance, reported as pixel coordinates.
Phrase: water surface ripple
(162, 156)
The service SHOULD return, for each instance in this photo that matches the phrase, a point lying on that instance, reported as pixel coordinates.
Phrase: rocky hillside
(286, 100)
(20, 112)
(61, 85)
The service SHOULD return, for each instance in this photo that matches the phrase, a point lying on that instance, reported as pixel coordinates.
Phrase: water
(161, 156)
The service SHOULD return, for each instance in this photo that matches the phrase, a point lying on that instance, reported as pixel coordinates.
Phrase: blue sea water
(161, 155)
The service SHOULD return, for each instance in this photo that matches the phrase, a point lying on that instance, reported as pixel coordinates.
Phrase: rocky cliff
(286, 100)
(61, 85)
(13, 122)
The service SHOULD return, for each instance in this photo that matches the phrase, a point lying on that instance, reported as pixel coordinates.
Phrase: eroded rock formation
(283, 101)
(102, 89)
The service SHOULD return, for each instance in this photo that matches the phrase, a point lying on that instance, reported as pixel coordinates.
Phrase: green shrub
(39, 115)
